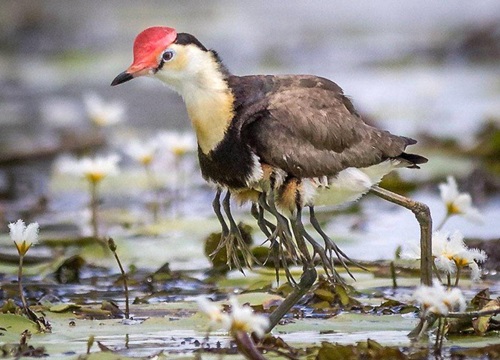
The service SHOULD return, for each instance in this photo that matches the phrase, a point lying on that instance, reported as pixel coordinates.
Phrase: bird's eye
(168, 55)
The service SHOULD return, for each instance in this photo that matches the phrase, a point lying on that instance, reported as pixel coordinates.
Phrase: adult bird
(286, 142)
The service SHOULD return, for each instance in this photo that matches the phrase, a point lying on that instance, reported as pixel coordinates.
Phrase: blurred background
(426, 69)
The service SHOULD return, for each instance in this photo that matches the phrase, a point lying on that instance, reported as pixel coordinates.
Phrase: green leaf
(14, 325)
(59, 308)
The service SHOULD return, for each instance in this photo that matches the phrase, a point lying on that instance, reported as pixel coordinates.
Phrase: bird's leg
(235, 234)
(330, 245)
(268, 229)
(285, 245)
(282, 229)
(306, 282)
(265, 226)
(299, 232)
(218, 213)
(224, 228)
(282, 221)
(423, 215)
(231, 237)
(326, 260)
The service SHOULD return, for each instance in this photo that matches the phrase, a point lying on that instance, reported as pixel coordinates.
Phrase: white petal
(478, 255)
(446, 265)
(439, 243)
(411, 252)
(31, 233)
(474, 215)
(17, 231)
(448, 190)
(475, 273)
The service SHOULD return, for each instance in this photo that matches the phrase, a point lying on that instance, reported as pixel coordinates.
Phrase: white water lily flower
(93, 169)
(23, 236)
(216, 316)
(458, 203)
(241, 318)
(450, 253)
(177, 143)
(438, 300)
(142, 152)
(244, 319)
(103, 113)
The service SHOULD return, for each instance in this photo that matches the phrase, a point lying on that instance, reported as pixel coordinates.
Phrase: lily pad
(12, 325)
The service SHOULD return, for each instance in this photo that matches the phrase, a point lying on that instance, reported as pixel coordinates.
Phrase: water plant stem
(153, 186)
(393, 275)
(441, 224)
(93, 208)
(246, 346)
(436, 271)
(439, 334)
(457, 278)
(20, 284)
(112, 247)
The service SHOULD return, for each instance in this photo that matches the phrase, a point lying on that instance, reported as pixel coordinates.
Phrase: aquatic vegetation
(94, 170)
(142, 151)
(112, 247)
(241, 322)
(24, 237)
(177, 143)
(438, 300)
(457, 203)
(451, 255)
(103, 113)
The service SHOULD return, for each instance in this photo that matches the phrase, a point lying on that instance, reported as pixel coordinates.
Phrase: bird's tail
(413, 160)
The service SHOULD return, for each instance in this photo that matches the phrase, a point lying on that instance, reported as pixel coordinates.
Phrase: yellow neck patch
(211, 114)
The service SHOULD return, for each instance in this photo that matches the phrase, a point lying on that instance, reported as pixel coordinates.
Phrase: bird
(282, 142)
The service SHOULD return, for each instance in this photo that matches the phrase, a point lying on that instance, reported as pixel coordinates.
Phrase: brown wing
(309, 128)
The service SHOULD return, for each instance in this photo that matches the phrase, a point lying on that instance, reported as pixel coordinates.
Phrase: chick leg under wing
(283, 247)
(231, 238)
(330, 246)
(324, 257)
(265, 226)
(268, 229)
(218, 213)
(309, 274)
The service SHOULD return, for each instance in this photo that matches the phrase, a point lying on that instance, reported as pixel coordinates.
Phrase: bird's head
(177, 59)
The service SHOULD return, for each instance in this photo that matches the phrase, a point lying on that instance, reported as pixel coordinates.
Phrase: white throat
(196, 76)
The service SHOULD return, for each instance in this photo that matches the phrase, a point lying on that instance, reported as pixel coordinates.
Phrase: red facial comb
(149, 44)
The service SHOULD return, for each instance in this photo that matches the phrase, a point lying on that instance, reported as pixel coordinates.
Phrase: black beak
(121, 78)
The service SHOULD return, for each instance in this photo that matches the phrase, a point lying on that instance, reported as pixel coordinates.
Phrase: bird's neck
(211, 112)
(208, 98)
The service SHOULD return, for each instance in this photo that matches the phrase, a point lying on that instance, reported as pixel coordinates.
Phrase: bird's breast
(231, 164)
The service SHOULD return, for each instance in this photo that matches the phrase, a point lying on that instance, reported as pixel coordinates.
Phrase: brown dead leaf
(482, 323)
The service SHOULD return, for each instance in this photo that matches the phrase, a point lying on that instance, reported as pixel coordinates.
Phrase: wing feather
(309, 128)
